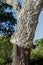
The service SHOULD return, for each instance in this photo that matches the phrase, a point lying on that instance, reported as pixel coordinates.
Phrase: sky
(39, 29)
(20, 1)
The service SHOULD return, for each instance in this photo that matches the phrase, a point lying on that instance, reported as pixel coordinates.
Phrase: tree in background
(8, 19)
(37, 53)
(5, 50)
(8, 22)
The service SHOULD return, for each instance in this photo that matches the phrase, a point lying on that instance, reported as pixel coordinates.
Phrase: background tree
(37, 53)
(8, 22)
(5, 50)
(8, 19)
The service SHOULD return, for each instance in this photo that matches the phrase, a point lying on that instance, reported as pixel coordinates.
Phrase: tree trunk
(21, 56)
(22, 38)
(15, 56)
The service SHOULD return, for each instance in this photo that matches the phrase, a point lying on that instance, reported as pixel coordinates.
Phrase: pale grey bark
(27, 22)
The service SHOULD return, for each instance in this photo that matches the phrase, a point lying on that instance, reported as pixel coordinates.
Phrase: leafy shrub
(5, 50)
(37, 53)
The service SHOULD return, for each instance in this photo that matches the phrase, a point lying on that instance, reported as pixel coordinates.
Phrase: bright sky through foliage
(8, 19)
(20, 1)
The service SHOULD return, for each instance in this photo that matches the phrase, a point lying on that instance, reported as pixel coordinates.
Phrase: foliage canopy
(8, 19)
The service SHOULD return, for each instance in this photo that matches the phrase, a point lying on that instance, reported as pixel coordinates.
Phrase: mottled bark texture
(21, 56)
(22, 38)
(27, 22)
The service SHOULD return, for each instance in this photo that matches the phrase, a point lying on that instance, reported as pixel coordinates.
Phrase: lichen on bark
(27, 22)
